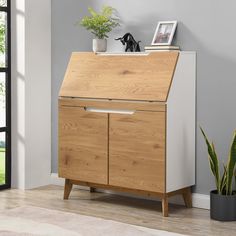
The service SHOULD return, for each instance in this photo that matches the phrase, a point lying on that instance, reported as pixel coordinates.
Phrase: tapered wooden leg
(67, 189)
(187, 195)
(165, 206)
(92, 190)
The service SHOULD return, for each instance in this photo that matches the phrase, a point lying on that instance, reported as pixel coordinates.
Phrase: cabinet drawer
(83, 145)
(137, 150)
(113, 104)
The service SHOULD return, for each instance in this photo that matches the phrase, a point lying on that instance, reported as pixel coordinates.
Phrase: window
(5, 95)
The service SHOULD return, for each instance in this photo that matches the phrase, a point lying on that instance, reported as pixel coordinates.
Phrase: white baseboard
(199, 200)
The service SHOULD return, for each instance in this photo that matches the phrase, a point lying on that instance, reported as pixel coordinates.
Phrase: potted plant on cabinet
(100, 24)
(223, 199)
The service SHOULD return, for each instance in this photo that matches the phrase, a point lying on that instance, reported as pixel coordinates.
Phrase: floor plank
(135, 211)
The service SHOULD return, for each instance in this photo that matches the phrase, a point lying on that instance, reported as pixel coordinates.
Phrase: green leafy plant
(100, 24)
(1, 88)
(2, 38)
(3, 3)
(224, 181)
(2, 48)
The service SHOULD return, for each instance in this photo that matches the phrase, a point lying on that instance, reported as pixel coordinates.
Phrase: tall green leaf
(231, 166)
(92, 12)
(213, 159)
(107, 11)
(223, 181)
(235, 178)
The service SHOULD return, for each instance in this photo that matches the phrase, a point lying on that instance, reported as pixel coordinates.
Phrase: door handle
(112, 111)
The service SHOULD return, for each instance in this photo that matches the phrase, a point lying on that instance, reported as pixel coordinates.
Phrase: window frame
(7, 71)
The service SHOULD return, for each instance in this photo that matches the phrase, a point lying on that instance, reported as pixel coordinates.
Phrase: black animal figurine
(131, 44)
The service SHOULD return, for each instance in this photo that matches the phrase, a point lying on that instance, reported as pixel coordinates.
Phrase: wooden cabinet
(83, 141)
(127, 123)
(137, 151)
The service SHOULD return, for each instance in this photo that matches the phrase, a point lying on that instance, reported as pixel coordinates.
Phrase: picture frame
(164, 33)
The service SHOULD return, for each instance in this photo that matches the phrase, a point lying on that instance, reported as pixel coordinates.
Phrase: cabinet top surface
(144, 77)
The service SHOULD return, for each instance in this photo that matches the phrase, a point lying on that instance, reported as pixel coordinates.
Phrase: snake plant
(224, 181)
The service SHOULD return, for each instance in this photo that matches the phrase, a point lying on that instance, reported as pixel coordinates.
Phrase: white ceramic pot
(99, 45)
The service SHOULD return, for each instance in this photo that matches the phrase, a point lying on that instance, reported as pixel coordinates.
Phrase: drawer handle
(123, 54)
(113, 111)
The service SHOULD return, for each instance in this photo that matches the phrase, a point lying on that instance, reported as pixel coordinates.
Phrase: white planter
(99, 45)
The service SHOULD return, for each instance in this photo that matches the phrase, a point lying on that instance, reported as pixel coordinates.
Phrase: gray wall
(205, 26)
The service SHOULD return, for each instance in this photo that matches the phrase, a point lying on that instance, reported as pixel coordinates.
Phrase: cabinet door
(137, 151)
(83, 145)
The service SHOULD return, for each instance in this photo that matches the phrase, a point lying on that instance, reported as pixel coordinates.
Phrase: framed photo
(164, 33)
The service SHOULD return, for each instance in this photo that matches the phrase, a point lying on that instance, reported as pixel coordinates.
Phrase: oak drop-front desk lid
(143, 77)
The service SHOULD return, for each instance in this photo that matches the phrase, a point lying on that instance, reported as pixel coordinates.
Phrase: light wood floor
(145, 213)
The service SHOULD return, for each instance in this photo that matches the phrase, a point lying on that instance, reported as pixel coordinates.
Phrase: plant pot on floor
(99, 45)
(223, 207)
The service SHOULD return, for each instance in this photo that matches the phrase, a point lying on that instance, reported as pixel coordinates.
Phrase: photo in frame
(164, 33)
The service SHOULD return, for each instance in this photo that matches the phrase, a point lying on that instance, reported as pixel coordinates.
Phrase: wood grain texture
(185, 192)
(113, 104)
(120, 77)
(136, 192)
(67, 189)
(165, 206)
(83, 140)
(137, 151)
(187, 196)
(121, 189)
(147, 213)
